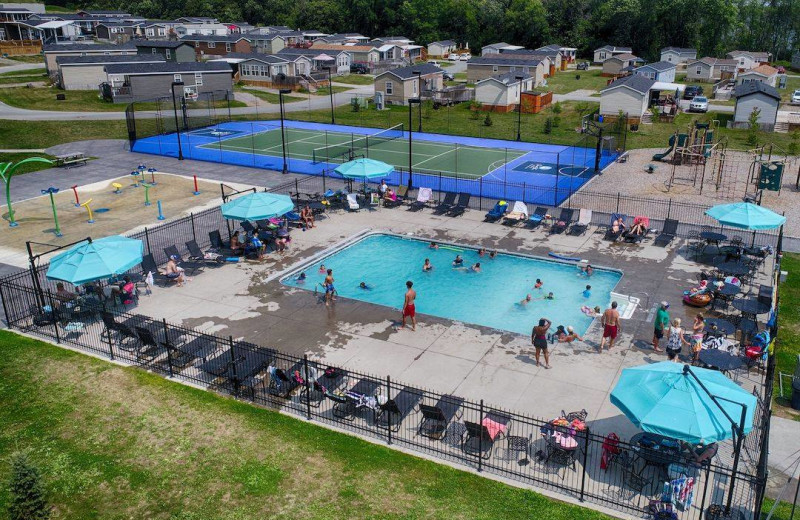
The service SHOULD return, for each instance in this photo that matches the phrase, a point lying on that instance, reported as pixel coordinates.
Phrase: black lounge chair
(172, 251)
(634, 238)
(248, 227)
(344, 407)
(284, 382)
(198, 348)
(330, 380)
(461, 206)
(610, 233)
(197, 255)
(446, 205)
(123, 331)
(478, 441)
(435, 419)
(149, 266)
(563, 221)
(150, 347)
(668, 233)
(217, 244)
(393, 411)
(401, 194)
(536, 217)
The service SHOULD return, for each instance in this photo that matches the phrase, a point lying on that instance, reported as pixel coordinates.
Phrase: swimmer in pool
(322, 269)
(587, 292)
(548, 297)
(301, 278)
(363, 285)
(526, 301)
(538, 284)
(481, 252)
(427, 266)
(458, 262)
(592, 313)
(476, 268)
(492, 254)
(433, 245)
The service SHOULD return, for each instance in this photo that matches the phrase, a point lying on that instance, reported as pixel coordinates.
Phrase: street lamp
(52, 191)
(330, 87)
(281, 92)
(410, 124)
(519, 109)
(418, 74)
(175, 110)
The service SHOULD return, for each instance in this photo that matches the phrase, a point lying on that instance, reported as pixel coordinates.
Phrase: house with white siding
(748, 59)
(494, 64)
(497, 48)
(607, 51)
(678, 55)
(441, 49)
(502, 93)
(762, 73)
(756, 95)
(88, 72)
(630, 94)
(620, 63)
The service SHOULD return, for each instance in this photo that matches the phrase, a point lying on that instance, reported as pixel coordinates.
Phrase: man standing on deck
(611, 326)
(662, 322)
(409, 311)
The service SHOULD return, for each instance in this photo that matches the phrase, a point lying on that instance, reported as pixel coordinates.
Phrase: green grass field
(335, 147)
(789, 334)
(117, 443)
(269, 97)
(564, 82)
(355, 79)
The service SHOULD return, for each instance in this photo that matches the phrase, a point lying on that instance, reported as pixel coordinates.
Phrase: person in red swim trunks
(409, 311)
(611, 326)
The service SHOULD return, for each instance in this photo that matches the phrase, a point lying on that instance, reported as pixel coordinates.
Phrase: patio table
(719, 326)
(720, 360)
(750, 308)
(712, 237)
(732, 268)
(663, 451)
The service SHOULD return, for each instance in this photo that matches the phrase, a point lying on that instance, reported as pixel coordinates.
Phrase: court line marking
(435, 156)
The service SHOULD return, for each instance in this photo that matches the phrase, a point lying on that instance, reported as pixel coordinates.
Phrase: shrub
(752, 129)
(557, 108)
(27, 499)
(488, 120)
(548, 126)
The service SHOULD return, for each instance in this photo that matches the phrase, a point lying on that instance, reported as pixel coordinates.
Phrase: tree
(27, 496)
(752, 129)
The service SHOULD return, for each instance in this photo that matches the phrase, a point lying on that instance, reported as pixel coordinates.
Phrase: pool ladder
(646, 306)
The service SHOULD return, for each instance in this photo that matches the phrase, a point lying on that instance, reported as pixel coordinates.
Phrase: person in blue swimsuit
(329, 288)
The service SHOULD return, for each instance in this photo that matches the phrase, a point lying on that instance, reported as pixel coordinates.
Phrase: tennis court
(438, 160)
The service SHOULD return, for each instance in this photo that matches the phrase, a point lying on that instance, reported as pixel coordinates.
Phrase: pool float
(563, 257)
(457, 250)
(697, 300)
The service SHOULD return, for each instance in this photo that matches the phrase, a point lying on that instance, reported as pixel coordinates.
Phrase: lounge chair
(192, 266)
(497, 212)
(436, 419)
(634, 238)
(518, 214)
(282, 383)
(668, 233)
(208, 257)
(424, 197)
(292, 217)
(479, 439)
(393, 411)
(328, 381)
(217, 245)
(198, 348)
(345, 407)
(537, 217)
(563, 221)
(149, 266)
(352, 202)
(446, 205)
(584, 220)
(150, 347)
(610, 233)
(461, 206)
(248, 227)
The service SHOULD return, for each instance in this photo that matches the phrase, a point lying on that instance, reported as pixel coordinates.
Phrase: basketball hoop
(191, 96)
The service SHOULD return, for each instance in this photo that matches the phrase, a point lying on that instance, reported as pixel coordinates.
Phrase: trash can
(796, 393)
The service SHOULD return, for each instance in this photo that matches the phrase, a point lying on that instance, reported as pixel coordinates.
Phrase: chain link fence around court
(444, 426)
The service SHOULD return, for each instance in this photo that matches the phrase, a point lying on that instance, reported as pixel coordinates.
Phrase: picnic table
(71, 159)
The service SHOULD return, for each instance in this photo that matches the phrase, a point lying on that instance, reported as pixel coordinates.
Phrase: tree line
(714, 27)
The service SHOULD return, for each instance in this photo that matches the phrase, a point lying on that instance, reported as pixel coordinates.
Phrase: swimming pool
(489, 298)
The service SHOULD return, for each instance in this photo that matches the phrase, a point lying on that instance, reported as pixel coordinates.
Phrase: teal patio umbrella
(257, 206)
(745, 215)
(364, 169)
(91, 260)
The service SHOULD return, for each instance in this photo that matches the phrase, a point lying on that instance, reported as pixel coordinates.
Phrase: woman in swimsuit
(539, 340)
(698, 331)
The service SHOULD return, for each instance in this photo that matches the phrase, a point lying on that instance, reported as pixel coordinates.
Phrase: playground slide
(661, 156)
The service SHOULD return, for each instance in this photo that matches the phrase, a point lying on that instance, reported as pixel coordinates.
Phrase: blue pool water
(489, 298)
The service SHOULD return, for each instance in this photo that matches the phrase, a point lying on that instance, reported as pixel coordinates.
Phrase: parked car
(795, 97)
(584, 65)
(699, 104)
(358, 68)
(448, 76)
(692, 91)
(433, 62)
(453, 57)
(781, 70)
(465, 57)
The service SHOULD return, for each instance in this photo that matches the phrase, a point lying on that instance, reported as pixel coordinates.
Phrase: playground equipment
(7, 171)
(147, 193)
(160, 212)
(135, 174)
(117, 188)
(152, 172)
(692, 149)
(91, 216)
(77, 200)
(196, 190)
(52, 191)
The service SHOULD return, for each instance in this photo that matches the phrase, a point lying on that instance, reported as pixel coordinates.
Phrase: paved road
(19, 66)
(313, 103)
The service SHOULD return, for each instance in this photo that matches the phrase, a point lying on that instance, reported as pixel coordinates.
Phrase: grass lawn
(116, 442)
(564, 81)
(325, 91)
(29, 72)
(355, 79)
(789, 325)
(782, 512)
(792, 84)
(23, 76)
(269, 97)
(44, 134)
(26, 168)
(28, 58)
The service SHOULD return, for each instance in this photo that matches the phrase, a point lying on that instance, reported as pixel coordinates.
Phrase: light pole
(418, 74)
(175, 110)
(410, 125)
(52, 191)
(330, 87)
(519, 110)
(281, 92)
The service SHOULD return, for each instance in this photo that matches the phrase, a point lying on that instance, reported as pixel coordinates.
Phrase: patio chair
(497, 212)
(446, 204)
(352, 202)
(424, 197)
(150, 347)
(149, 266)
(517, 215)
(634, 238)
(610, 233)
(435, 419)
(283, 383)
(392, 413)
(461, 206)
(667, 234)
(563, 221)
(344, 407)
(537, 217)
(582, 224)
(217, 244)
(198, 255)
(247, 226)
(479, 439)
(559, 455)
(198, 348)
(292, 218)
(330, 380)
(190, 265)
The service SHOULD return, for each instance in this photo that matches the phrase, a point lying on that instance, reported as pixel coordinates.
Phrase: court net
(348, 150)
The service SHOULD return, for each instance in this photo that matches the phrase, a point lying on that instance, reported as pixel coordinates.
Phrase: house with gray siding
(678, 55)
(119, 32)
(756, 95)
(620, 63)
(264, 70)
(503, 92)
(127, 82)
(659, 71)
(630, 94)
(88, 72)
(174, 51)
(491, 65)
(711, 69)
(339, 61)
(441, 49)
(400, 85)
(601, 54)
(497, 48)
(762, 73)
(51, 52)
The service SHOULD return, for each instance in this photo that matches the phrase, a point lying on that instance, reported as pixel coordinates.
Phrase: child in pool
(433, 245)
(538, 284)
(301, 278)
(458, 262)
(427, 266)
(592, 313)
(587, 292)
(476, 268)
(363, 285)
(322, 269)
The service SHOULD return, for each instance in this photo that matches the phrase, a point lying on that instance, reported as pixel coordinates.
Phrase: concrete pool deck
(442, 355)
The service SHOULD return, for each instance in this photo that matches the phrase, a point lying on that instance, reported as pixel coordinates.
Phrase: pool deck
(245, 301)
